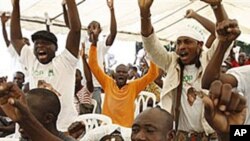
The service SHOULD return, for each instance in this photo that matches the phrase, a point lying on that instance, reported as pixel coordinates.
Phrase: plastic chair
(93, 101)
(142, 102)
(92, 121)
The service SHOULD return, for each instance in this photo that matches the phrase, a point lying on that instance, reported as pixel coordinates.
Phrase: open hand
(110, 4)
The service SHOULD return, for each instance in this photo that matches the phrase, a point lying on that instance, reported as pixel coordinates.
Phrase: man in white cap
(181, 92)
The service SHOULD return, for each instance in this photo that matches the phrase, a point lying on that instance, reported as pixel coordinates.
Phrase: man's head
(153, 124)
(19, 79)
(92, 26)
(242, 58)
(45, 106)
(121, 75)
(45, 46)
(132, 72)
(189, 44)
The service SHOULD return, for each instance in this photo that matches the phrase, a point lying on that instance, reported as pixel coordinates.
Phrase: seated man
(36, 112)
(156, 124)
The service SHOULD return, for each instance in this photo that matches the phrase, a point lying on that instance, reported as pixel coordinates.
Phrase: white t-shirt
(190, 111)
(60, 73)
(15, 61)
(242, 74)
(102, 49)
(99, 132)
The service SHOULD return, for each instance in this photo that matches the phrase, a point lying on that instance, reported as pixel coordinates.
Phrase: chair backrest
(143, 101)
(92, 121)
(93, 101)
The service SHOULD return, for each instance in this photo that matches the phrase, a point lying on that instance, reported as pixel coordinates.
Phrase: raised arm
(73, 39)
(4, 19)
(206, 23)
(228, 31)
(146, 25)
(219, 11)
(224, 108)
(86, 69)
(65, 13)
(15, 28)
(113, 26)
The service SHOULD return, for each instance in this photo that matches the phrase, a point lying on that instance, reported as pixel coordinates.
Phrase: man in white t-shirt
(42, 64)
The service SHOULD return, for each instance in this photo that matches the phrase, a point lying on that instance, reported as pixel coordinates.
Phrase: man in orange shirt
(119, 95)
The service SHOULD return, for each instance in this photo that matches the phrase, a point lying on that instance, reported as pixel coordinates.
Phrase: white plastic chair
(92, 121)
(93, 101)
(143, 100)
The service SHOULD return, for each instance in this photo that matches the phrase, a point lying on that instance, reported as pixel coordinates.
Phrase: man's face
(188, 49)
(18, 79)
(149, 126)
(121, 75)
(242, 59)
(44, 50)
(94, 26)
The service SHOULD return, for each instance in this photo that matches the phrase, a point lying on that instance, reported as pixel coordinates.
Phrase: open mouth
(42, 55)
(183, 54)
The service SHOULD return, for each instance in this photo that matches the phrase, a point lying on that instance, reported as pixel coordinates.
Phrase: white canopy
(167, 15)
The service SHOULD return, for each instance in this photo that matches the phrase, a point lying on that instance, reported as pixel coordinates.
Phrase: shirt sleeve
(157, 52)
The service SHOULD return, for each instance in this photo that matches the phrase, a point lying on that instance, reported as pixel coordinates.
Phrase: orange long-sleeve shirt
(119, 103)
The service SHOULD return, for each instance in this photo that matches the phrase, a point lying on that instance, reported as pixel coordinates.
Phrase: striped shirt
(83, 97)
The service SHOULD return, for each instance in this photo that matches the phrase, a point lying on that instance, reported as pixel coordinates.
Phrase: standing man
(184, 70)
(102, 46)
(42, 63)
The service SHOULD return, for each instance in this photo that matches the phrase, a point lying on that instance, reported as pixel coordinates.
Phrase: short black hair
(46, 100)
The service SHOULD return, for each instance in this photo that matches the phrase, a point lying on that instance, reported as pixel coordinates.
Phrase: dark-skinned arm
(87, 72)
(113, 26)
(4, 19)
(146, 25)
(16, 36)
(218, 9)
(14, 104)
(228, 31)
(206, 23)
(65, 13)
(73, 39)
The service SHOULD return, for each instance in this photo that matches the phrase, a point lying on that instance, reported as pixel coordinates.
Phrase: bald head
(156, 120)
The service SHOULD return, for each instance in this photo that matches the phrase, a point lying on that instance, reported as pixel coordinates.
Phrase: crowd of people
(196, 98)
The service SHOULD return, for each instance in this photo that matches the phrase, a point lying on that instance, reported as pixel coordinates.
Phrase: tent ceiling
(167, 15)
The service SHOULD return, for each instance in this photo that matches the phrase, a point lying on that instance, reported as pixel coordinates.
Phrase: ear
(171, 135)
(200, 43)
(49, 118)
